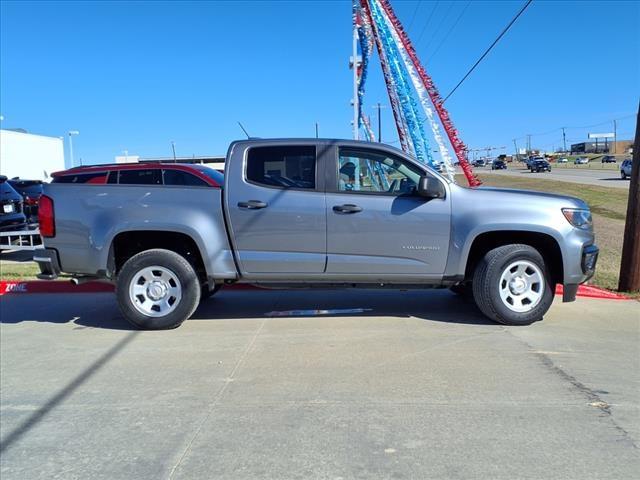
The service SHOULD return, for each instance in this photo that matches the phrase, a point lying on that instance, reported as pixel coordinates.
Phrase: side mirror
(430, 187)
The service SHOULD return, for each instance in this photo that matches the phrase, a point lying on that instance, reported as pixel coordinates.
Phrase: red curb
(53, 287)
(44, 286)
(589, 291)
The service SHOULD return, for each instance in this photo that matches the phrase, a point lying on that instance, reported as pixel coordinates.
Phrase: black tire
(623, 175)
(176, 264)
(206, 293)
(486, 285)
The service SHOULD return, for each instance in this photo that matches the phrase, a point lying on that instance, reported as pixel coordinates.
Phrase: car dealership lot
(395, 385)
(602, 178)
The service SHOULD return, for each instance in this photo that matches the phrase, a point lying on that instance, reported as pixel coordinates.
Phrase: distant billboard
(601, 135)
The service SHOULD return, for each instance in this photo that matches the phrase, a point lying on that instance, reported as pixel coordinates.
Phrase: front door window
(362, 171)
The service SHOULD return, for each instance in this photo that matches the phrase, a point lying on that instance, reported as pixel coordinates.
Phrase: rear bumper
(47, 260)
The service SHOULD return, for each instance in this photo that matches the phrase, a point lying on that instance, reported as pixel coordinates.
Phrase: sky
(135, 76)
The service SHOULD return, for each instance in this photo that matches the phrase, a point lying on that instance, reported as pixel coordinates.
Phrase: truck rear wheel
(157, 289)
(511, 285)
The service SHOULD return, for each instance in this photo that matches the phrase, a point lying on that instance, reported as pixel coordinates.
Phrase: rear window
(93, 177)
(178, 177)
(151, 176)
(282, 167)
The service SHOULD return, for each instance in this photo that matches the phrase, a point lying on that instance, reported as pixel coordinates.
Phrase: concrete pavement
(417, 385)
(602, 178)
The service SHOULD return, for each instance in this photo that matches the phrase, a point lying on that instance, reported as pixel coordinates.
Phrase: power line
(489, 49)
(603, 123)
(435, 7)
(413, 17)
(450, 30)
(437, 30)
(549, 132)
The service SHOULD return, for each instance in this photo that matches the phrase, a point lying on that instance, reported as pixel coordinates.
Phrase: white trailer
(28, 156)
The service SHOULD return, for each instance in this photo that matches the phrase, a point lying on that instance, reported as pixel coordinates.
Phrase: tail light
(31, 201)
(46, 217)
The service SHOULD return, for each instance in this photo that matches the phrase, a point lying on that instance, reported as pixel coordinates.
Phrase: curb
(44, 286)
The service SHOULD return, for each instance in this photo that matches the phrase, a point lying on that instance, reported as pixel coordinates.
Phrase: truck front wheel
(157, 289)
(511, 285)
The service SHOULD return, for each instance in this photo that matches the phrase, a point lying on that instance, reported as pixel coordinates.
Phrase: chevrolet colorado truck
(309, 213)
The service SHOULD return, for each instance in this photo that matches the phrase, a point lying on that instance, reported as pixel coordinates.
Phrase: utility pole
(630, 261)
(515, 145)
(564, 141)
(615, 136)
(528, 144)
(379, 124)
(354, 65)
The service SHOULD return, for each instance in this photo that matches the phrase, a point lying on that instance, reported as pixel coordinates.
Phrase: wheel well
(127, 244)
(545, 244)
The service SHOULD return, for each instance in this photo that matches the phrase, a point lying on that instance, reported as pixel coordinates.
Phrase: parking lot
(386, 384)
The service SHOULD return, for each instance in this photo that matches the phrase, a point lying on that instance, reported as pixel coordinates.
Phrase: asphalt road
(603, 178)
(415, 385)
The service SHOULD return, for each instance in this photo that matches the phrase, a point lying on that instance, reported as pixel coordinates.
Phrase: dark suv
(31, 191)
(609, 159)
(498, 165)
(539, 166)
(11, 215)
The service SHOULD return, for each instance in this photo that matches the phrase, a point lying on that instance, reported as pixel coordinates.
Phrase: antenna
(244, 130)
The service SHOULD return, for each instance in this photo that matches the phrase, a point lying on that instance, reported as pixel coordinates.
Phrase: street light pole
(564, 141)
(71, 134)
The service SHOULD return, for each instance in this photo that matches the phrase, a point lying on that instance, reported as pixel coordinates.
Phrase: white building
(28, 156)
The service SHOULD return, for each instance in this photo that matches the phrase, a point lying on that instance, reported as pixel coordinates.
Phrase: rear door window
(93, 177)
(179, 177)
(282, 167)
(141, 177)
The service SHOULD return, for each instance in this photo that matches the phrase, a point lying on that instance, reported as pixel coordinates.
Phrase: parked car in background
(539, 165)
(609, 159)
(11, 216)
(480, 163)
(172, 174)
(625, 169)
(581, 161)
(31, 190)
(563, 160)
(498, 165)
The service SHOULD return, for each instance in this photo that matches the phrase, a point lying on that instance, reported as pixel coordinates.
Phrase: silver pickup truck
(308, 213)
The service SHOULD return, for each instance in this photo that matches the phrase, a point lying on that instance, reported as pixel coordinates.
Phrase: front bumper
(588, 266)
(47, 260)
(589, 260)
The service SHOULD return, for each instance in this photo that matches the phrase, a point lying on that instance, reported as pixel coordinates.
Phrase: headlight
(578, 218)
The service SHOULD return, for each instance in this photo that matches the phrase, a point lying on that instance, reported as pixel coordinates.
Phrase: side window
(375, 172)
(178, 177)
(282, 167)
(94, 177)
(141, 177)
